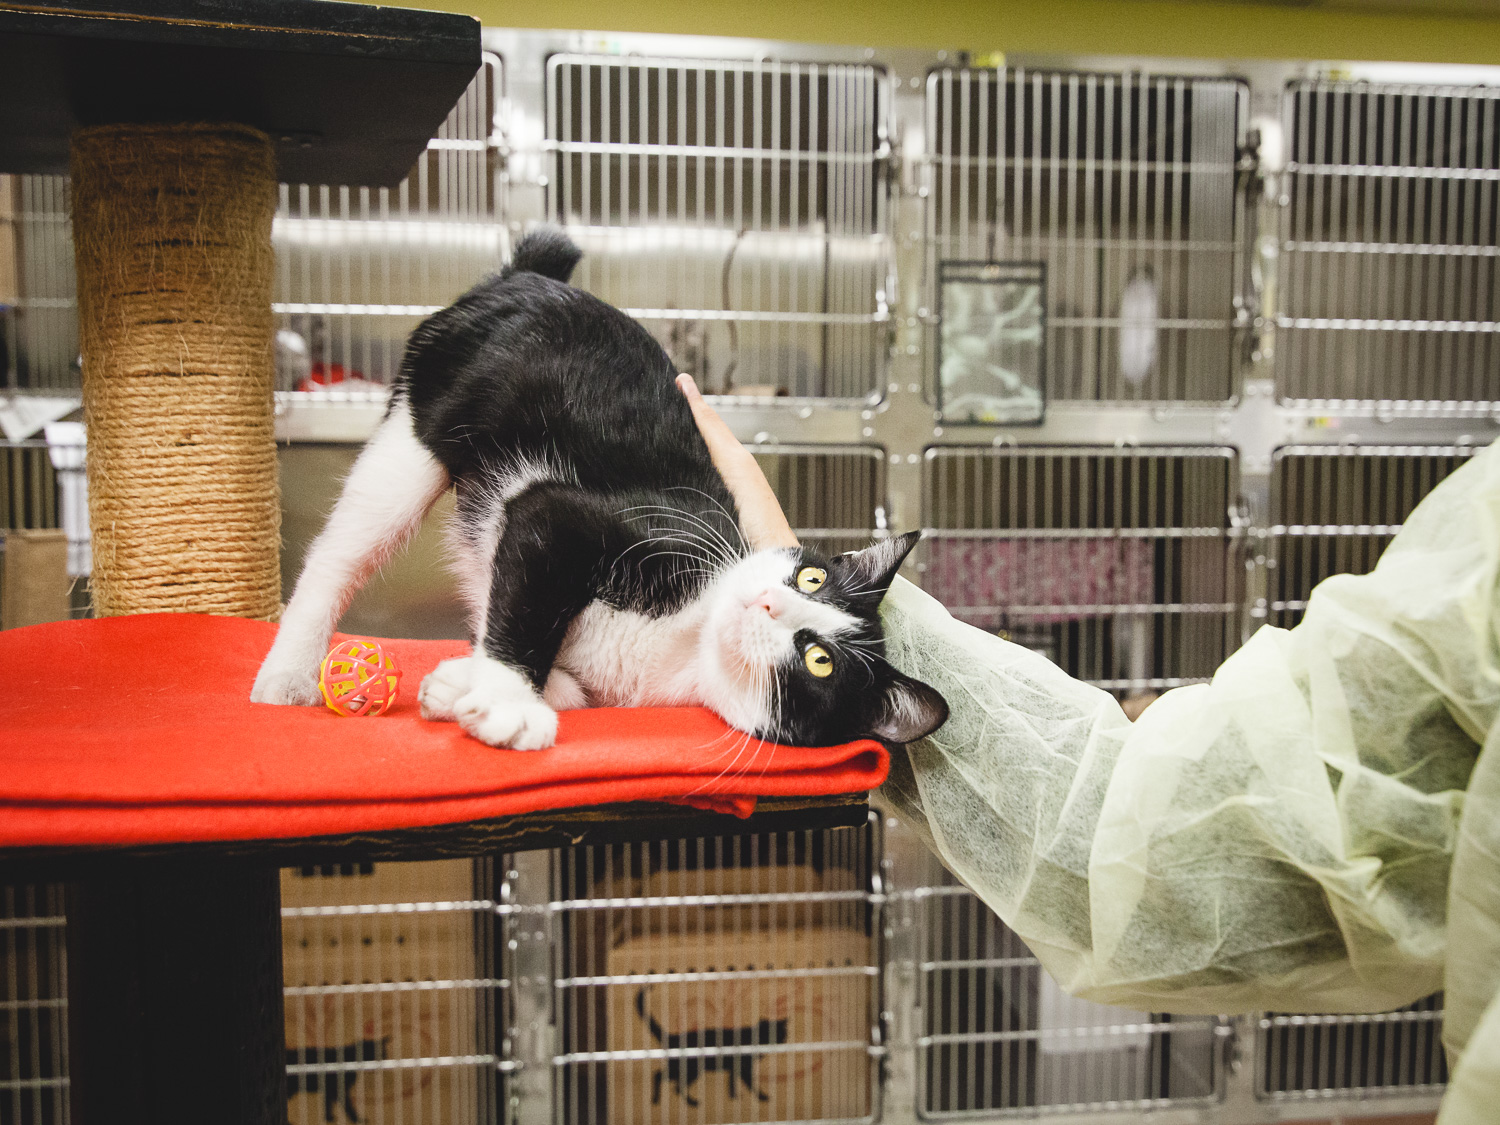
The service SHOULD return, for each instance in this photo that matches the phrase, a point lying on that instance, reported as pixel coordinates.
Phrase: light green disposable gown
(1316, 830)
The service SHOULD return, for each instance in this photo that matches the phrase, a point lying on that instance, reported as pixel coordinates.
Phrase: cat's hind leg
(394, 482)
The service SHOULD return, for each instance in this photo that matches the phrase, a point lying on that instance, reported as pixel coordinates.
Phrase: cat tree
(177, 117)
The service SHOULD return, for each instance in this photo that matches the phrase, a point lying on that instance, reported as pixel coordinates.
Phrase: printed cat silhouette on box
(706, 1050)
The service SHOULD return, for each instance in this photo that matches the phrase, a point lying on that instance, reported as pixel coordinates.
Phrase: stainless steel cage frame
(1251, 193)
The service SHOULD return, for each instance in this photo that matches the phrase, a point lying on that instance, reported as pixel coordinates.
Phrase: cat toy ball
(359, 678)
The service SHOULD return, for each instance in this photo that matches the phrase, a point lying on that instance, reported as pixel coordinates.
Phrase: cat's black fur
(524, 367)
(336, 1084)
(683, 1071)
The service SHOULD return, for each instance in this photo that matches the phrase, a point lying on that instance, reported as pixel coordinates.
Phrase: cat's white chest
(622, 658)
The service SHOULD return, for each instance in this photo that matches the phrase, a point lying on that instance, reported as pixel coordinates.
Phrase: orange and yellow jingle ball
(359, 678)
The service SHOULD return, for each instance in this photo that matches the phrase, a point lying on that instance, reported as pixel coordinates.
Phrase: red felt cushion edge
(209, 662)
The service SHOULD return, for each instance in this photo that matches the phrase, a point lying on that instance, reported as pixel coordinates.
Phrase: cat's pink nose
(765, 602)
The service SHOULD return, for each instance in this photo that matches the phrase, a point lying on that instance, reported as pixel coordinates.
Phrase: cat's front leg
(395, 480)
(492, 701)
(553, 545)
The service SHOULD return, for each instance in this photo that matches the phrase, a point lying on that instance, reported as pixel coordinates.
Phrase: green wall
(1116, 27)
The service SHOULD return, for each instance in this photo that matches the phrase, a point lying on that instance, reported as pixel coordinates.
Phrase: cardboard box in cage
(34, 582)
(732, 886)
(781, 1037)
(334, 1016)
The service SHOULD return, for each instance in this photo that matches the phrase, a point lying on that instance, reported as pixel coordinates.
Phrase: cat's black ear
(869, 572)
(909, 710)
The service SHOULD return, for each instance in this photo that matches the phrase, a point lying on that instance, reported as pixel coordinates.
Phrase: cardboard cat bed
(139, 730)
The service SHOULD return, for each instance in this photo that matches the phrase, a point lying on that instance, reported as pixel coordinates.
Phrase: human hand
(761, 518)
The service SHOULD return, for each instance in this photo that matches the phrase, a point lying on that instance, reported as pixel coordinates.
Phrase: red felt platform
(134, 730)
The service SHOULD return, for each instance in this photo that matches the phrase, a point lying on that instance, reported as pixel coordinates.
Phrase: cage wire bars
(737, 209)
(1390, 292)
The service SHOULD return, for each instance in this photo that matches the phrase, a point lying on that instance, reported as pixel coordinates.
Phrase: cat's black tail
(546, 251)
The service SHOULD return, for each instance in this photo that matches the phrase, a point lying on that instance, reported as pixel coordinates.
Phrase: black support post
(174, 995)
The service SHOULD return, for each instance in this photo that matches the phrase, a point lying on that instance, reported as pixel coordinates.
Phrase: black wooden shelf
(350, 93)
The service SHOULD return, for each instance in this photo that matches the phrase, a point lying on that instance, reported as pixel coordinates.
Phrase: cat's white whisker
(694, 518)
(659, 511)
(716, 502)
(715, 541)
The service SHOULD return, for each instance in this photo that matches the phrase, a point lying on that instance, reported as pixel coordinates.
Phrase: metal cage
(1388, 244)
(998, 1038)
(737, 209)
(358, 268)
(1120, 565)
(33, 1006)
(41, 328)
(396, 1010)
(1335, 510)
(834, 497)
(1110, 180)
(1308, 1058)
(719, 979)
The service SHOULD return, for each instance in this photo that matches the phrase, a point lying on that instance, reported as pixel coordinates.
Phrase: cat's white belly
(626, 659)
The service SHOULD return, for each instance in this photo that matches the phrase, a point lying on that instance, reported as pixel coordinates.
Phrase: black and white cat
(594, 541)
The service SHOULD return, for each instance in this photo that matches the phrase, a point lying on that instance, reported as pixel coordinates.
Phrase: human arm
(1280, 838)
(761, 518)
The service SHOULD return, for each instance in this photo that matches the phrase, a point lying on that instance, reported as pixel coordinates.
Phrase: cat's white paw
(286, 683)
(501, 708)
(443, 687)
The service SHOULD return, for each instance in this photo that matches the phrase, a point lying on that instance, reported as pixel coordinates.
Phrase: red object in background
(135, 730)
(1039, 581)
(325, 375)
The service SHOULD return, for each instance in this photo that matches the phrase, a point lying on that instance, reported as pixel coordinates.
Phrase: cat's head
(796, 653)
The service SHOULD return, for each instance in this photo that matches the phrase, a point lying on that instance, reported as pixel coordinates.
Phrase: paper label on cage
(992, 341)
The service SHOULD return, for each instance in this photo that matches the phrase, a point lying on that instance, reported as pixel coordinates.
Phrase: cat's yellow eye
(816, 657)
(810, 580)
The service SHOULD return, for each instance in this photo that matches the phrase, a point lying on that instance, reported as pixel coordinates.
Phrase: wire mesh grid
(39, 324)
(1124, 185)
(396, 1012)
(1122, 566)
(737, 209)
(834, 497)
(1334, 511)
(719, 979)
(998, 1038)
(358, 268)
(1388, 244)
(28, 486)
(1310, 1057)
(33, 1006)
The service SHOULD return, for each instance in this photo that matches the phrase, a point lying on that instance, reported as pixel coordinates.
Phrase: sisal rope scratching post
(172, 234)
